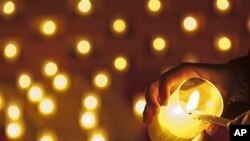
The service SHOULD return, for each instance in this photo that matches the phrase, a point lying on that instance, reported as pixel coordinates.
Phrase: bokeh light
(11, 51)
(24, 80)
(119, 26)
(190, 24)
(84, 7)
(222, 6)
(48, 27)
(120, 63)
(223, 43)
(14, 111)
(98, 135)
(101, 80)
(90, 101)
(47, 106)
(8, 8)
(2, 101)
(50, 68)
(15, 130)
(88, 120)
(159, 45)
(61, 82)
(35, 93)
(47, 135)
(83, 47)
(153, 6)
(139, 104)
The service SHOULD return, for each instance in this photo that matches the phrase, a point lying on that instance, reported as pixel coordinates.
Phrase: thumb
(211, 129)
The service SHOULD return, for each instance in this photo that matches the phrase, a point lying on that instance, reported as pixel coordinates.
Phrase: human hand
(242, 119)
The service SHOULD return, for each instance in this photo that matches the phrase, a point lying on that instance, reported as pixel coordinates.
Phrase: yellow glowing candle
(174, 122)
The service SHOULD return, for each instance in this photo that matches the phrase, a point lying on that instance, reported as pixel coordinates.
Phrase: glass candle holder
(174, 122)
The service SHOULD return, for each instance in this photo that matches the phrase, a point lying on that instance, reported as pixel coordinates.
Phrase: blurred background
(75, 70)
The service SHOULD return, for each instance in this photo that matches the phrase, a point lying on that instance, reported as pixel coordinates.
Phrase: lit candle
(174, 122)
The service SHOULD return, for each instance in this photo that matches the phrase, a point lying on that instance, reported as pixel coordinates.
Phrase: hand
(158, 92)
(242, 119)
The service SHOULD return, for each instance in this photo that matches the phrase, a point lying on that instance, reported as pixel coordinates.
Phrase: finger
(148, 114)
(246, 118)
(171, 79)
(239, 119)
(152, 94)
(152, 103)
(211, 129)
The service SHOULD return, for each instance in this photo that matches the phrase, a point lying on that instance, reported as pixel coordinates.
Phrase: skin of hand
(242, 119)
(158, 92)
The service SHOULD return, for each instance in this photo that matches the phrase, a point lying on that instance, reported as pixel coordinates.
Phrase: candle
(174, 123)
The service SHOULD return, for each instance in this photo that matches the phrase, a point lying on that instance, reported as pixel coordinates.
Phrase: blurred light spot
(248, 24)
(14, 130)
(11, 51)
(47, 135)
(83, 47)
(159, 45)
(119, 26)
(222, 6)
(61, 82)
(35, 93)
(2, 102)
(139, 105)
(98, 136)
(84, 7)
(50, 68)
(154, 6)
(24, 80)
(13, 111)
(88, 120)
(90, 102)
(8, 7)
(48, 27)
(120, 63)
(47, 106)
(101, 80)
(223, 43)
(190, 24)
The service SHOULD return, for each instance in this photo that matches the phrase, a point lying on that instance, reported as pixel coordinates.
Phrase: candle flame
(193, 101)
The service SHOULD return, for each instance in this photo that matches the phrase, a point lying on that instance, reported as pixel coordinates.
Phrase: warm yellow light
(61, 82)
(11, 51)
(14, 130)
(2, 102)
(35, 93)
(48, 27)
(101, 80)
(83, 47)
(13, 111)
(24, 80)
(248, 24)
(222, 6)
(120, 63)
(47, 135)
(47, 106)
(193, 101)
(88, 120)
(223, 43)
(190, 24)
(154, 6)
(97, 136)
(8, 8)
(50, 68)
(90, 102)
(119, 26)
(85, 7)
(139, 106)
